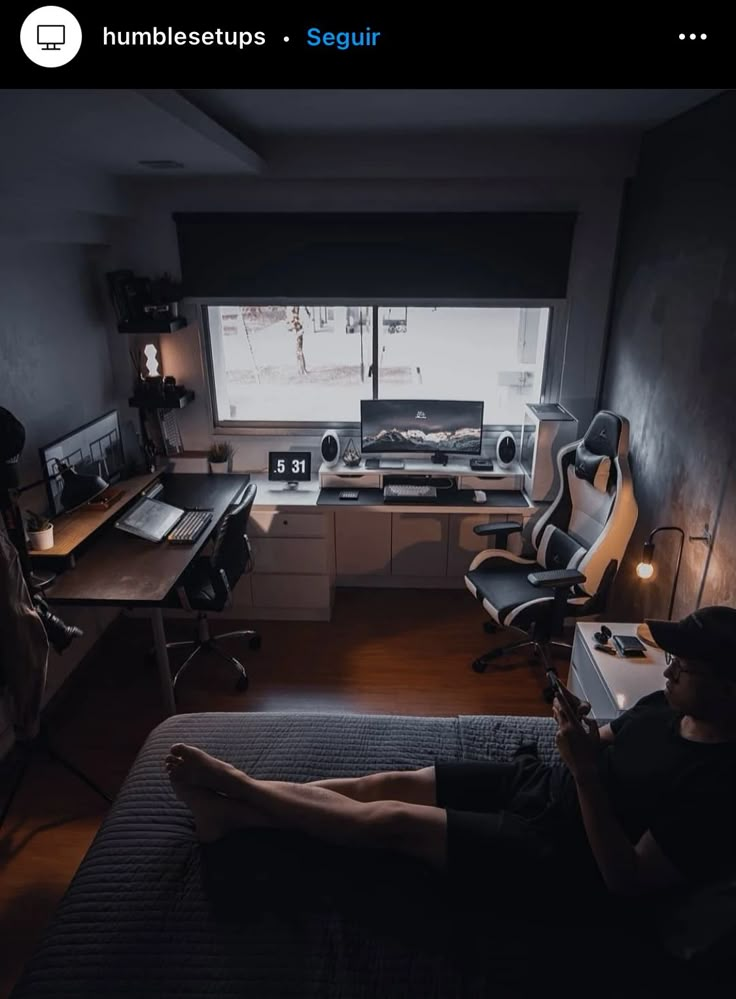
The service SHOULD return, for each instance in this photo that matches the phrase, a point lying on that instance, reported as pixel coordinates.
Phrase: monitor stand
(438, 458)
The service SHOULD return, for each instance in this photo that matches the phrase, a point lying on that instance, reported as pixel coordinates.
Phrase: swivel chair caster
(242, 683)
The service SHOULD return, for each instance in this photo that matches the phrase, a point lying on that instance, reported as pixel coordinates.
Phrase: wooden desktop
(71, 530)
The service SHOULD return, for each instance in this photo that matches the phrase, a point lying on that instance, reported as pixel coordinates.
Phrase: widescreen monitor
(407, 425)
(94, 449)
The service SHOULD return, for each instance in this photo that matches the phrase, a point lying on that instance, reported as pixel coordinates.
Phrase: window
(312, 364)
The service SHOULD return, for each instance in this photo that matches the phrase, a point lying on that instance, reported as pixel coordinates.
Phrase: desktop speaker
(330, 448)
(506, 449)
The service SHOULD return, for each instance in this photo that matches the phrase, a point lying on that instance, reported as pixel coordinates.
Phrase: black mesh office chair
(208, 584)
(578, 544)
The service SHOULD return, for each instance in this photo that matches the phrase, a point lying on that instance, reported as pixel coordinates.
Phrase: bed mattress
(150, 912)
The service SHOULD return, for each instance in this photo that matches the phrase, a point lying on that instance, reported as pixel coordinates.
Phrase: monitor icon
(50, 36)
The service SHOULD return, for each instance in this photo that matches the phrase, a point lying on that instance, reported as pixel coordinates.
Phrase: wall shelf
(151, 327)
(166, 400)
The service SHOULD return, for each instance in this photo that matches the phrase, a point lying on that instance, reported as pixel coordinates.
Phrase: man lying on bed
(644, 803)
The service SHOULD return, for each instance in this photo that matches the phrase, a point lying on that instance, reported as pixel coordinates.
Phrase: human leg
(413, 829)
(415, 787)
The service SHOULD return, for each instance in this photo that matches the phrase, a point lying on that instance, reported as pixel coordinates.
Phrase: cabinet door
(464, 544)
(418, 544)
(298, 555)
(362, 543)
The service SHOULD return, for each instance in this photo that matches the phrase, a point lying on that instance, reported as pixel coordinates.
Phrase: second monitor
(437, 426)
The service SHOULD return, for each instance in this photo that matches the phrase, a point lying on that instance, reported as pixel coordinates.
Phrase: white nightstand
(612, 684)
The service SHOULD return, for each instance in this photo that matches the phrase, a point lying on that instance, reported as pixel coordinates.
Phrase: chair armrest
(504, 529)
(555, 578)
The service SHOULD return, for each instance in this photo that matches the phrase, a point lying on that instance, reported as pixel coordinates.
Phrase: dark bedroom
(367, 510)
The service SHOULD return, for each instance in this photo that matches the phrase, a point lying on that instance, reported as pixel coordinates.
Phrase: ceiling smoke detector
(161, 164)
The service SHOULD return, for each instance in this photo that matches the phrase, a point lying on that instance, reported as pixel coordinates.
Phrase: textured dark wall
(55, 363)
(671, 365)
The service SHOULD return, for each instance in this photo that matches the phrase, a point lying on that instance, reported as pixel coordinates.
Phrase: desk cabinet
(418, 544)
(612, 684)
(293, 564)
(362, 544)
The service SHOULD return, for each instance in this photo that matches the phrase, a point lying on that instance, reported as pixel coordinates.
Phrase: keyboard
(190, 527)
(410, 492)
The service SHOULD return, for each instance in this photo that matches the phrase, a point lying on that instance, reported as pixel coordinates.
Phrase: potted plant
(40, 531)
(220, 456)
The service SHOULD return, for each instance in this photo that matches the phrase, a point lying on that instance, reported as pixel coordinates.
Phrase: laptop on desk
(154, 520)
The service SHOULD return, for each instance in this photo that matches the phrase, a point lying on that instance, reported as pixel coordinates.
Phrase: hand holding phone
(569, 702)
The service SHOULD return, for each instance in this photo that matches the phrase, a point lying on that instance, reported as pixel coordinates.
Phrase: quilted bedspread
(150, 912)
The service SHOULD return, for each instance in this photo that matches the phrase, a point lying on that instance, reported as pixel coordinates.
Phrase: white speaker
(330, 448)
(506, 449)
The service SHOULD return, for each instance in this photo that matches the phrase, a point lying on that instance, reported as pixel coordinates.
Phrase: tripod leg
(14, 789)
(77, 773)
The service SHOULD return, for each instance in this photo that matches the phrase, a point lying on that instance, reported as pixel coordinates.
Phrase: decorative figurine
(351, 455)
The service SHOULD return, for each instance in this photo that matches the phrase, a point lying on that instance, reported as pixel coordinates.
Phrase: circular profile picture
(51, 36)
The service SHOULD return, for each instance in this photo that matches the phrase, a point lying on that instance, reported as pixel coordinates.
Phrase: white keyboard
(409, 492)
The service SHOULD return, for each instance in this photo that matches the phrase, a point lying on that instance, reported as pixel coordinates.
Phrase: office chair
(208, 584)
(578, 544)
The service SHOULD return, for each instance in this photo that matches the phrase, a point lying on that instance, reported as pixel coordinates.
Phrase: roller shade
(359, 256)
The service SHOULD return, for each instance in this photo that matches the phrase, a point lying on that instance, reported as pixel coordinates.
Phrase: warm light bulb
(645, 570)
(151, 353)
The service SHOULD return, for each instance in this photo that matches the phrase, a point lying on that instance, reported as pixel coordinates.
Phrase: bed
(152, 913)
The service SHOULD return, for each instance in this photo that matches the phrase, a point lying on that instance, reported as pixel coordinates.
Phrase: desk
(123, 570)
(306, 542)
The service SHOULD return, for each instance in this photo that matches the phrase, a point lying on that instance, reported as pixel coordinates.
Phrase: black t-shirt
(683, 792)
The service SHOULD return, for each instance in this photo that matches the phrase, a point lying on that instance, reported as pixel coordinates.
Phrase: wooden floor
(385, 651)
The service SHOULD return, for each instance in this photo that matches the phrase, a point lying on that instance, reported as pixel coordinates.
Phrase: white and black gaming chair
(578, 543)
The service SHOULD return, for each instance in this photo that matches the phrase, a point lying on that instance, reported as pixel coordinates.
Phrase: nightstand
(612, 684)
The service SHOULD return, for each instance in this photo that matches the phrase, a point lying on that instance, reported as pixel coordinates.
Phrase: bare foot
(194, 766)
(209, 809)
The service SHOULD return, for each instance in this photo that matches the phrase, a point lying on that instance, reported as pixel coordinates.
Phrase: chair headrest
(596, 451)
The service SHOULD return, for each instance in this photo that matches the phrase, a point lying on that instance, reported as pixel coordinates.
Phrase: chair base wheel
(480, 665)
(490, 627)
(242, 683)
(255, 643)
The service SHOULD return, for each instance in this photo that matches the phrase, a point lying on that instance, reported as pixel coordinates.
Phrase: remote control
(348, 494)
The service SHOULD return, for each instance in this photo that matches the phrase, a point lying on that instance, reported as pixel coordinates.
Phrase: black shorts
(496, 837)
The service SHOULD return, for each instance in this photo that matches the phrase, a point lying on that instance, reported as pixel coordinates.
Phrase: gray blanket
(261, 914)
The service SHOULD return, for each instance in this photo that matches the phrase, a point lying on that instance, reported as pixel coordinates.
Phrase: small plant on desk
(220, 456)
(40, 531)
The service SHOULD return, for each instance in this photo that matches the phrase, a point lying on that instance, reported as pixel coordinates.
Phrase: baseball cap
(708, 634)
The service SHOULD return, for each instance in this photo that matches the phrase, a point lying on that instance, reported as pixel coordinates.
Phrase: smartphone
(563, 695)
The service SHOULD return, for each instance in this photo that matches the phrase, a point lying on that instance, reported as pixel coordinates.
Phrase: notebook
(150, 519)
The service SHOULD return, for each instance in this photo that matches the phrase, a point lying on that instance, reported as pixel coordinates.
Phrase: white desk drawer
(293, 555)
(350, 480)
(489, 482)
(291, 591)
(272, 524)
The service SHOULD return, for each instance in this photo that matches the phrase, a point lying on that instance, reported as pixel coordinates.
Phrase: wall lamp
(645, 568)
